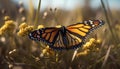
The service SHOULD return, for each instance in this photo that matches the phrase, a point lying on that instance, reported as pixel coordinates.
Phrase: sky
(68, 4)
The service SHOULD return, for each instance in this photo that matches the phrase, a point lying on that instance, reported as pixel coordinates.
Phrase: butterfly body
(62, 32)
(69, 37)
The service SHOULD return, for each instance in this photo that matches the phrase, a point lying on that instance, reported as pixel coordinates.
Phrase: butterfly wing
(78, 32)
(84, 28)
(74, 36)
(73, 41)
(47, 35)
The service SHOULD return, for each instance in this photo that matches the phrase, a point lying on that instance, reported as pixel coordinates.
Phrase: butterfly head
(58, 26)
(62, 28)
(95, 23)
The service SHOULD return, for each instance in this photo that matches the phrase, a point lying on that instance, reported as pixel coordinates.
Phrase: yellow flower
(23, 25)
(44, 51)
(40, 26)
(97, 49)
(98, 41)
(8, 27)
(48, 51)
(24, 29)
(6, 18)
(89, 47)
(92, 40)
(83, 53)
(86, 45)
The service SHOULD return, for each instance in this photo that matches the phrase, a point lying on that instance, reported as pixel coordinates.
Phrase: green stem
(37, 14)
(107, 19)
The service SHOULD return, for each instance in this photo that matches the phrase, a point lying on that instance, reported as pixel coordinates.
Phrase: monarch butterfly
(70, 37)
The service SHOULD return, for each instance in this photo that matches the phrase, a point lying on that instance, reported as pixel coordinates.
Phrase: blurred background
(19, 17)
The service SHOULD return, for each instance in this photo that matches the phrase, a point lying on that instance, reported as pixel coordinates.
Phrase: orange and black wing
(47, 35)
(84, 28)
(77, 33)
(70, 41)
(73, 36)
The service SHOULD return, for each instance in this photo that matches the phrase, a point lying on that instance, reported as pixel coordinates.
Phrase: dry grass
(101, 50)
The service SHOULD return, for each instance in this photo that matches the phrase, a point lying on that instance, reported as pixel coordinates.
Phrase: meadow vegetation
(101, 50)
